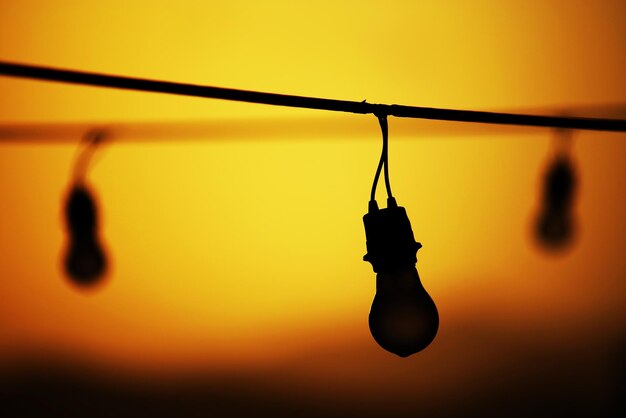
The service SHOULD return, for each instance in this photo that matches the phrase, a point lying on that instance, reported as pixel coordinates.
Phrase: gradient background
(237, 285)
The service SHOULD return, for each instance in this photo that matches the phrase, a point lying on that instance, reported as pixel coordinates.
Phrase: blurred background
(236, 285)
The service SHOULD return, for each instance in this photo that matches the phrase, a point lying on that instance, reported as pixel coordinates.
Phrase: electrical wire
(155, 86)
(381, 162)
(382, 120)
(384, 159)
(92, 140)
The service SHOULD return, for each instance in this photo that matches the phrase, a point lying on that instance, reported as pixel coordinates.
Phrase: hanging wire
(563, 139)
(384, 159)
(92, 139)
(382, 120)
(184, 89)
(381, 162)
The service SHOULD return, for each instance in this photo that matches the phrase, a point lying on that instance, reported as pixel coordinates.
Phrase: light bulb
(85, 261)
(403, 318)
(555, 224)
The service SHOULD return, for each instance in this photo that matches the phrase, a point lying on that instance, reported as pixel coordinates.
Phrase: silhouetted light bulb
(403, 318)
(555, 224)
(85, 261)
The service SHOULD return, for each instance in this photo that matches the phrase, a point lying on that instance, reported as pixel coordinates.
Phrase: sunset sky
(234, 231)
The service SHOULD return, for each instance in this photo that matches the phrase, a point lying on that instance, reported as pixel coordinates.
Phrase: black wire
(92, 140)
(384, 159)
(380, 166)
(384, 127)
(138, 84)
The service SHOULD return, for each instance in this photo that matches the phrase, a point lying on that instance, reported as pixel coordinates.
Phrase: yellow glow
(243, 252)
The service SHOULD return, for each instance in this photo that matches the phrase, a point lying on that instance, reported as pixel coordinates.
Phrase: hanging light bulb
(84, 261)
(403, 318)
(555, 224)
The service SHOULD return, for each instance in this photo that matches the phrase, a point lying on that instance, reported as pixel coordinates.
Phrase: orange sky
(244, 253)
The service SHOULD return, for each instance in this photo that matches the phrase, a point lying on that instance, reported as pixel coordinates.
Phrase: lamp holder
(391, 245)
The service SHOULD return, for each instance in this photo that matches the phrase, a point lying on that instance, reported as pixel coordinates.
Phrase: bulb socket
(391, 245)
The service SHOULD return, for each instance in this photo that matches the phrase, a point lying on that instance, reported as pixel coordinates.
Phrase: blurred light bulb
(403, 318)
(555, 223)
(85, 261)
